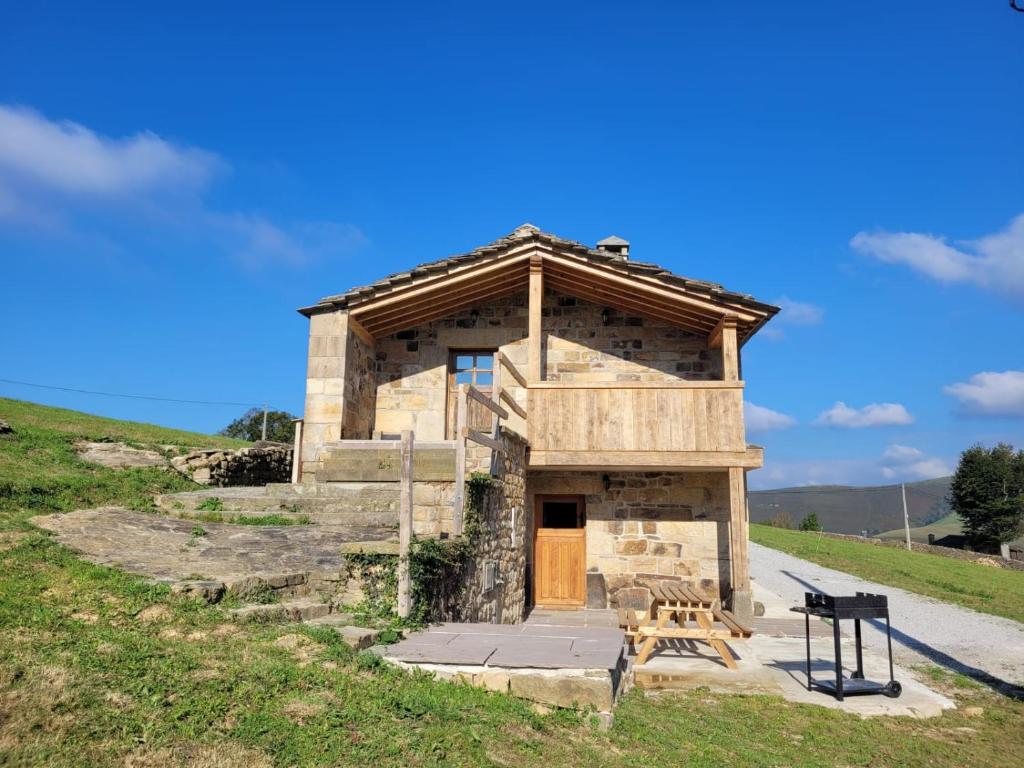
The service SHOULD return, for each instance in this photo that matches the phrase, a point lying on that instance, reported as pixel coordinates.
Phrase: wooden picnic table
(679, 604)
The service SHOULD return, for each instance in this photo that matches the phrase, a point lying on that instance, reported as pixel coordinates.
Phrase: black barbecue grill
(861, 606)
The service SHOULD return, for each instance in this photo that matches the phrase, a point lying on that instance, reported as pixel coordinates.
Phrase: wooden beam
(715, 337)
(534, 370)
(458, 500)
(480, 437)
(647, 461)
(632, 282)
(668, 384)
(475, 394)
(738, 536)
(405, 526)
(514, 406)
(520, 379)
(632, 300)
(444, 302)
(359, 330)
(724, 336)
(451, 281)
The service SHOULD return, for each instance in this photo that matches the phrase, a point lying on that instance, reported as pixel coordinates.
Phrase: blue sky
(175, 182)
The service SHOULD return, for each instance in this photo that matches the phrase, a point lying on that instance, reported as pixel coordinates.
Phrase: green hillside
(100, 668)
(946, 526)
(848, 509)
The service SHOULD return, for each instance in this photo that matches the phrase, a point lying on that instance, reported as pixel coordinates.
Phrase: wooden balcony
(642, 425)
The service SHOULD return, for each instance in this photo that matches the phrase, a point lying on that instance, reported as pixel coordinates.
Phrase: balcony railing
(656, 424)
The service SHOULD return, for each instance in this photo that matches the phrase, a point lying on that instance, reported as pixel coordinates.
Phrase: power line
(133, 397)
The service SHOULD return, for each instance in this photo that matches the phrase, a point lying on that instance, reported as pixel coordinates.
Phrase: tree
(810, 522)
(250, 426)
(987, 493)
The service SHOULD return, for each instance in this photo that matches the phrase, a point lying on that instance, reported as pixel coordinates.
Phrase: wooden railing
(641, 416)
(467, 422)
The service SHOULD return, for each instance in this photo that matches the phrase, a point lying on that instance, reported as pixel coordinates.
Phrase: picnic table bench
(678, 603)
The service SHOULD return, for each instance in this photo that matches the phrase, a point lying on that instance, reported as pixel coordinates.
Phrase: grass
(269, 519)
(99, 668)
(945, 526)
(997, 591)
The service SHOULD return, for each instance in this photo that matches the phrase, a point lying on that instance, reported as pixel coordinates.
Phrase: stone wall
(587, 342)
(262, 463)
(360, 390)
(649, 524)
(581, 344)
(502, 542)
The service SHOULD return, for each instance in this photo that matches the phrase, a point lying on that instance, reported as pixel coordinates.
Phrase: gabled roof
(438, 288)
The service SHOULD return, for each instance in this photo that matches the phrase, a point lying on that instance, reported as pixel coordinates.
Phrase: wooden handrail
(520, 379)
(512, 404)
(475, 394)
(480, 437)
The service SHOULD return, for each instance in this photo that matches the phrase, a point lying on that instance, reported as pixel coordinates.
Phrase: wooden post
(405, 525)
(742, 604)
(297, 452)
(724, 335)
(906, 517)
(459, 502)
(495, 419)
(534, 371)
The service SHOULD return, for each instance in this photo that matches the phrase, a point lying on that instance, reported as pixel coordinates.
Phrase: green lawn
(945, 526)
(98, 668)
(988, 589)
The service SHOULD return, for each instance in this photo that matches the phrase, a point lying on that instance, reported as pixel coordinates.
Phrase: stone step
(302, 609)
(358, 638)
(374, 504)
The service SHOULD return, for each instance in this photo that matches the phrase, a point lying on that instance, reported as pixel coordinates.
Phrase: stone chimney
(615, 247)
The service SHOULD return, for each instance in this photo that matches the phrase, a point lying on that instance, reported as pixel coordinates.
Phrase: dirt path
(987, 648)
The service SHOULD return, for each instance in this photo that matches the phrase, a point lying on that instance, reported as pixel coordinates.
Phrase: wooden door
(559, 552)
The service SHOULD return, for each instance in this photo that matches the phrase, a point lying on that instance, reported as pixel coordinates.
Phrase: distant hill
(946, 526)
(849, 509)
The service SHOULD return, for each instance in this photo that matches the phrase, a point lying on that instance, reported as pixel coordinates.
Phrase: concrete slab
(512, 646)
(538, 652)
(776, 666)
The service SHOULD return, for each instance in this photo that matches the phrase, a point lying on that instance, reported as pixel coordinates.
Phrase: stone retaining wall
(259, 464)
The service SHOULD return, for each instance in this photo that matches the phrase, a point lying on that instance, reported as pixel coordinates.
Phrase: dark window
(560, 514)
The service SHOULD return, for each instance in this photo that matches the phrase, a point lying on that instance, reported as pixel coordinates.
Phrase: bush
(810, 523)
(249, 426)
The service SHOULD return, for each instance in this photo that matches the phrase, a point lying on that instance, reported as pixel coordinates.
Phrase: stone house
(620, 443)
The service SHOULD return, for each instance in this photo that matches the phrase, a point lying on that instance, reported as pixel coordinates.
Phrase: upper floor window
(474, 367)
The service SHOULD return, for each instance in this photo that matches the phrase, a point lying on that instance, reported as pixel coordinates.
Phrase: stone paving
(170, 550)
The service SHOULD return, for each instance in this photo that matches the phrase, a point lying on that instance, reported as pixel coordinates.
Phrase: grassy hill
(99, 668)
(944, 526)
(847, 509)
(983, 588)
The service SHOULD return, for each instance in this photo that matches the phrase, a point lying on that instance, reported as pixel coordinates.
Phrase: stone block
(597, 592)
(630, 546)
(564, 690)
(664, 549)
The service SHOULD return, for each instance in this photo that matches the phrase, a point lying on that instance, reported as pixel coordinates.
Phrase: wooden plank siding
(580, 417)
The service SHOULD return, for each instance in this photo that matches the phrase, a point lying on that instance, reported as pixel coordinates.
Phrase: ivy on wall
(437, 567)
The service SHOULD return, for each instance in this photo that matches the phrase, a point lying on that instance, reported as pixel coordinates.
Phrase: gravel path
(988, 648)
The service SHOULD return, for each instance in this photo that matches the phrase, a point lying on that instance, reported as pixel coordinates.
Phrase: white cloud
(994, 262)
(904, 462)
(72, 159)
(794, 313)
(873, 415)
(760, 419)
(991, 393)
(901, 454)
(57, 177)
